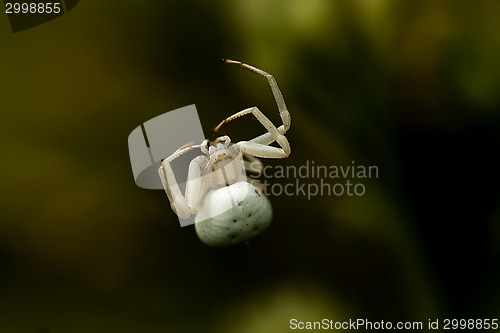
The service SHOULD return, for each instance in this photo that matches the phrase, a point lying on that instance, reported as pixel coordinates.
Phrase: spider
(229, 209)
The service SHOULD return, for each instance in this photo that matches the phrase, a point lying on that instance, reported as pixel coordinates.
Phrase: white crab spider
(229, 210)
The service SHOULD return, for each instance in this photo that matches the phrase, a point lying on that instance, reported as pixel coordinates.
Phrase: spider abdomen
(233, 215)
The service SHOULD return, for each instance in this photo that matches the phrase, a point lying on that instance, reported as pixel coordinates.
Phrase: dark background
(412, 87)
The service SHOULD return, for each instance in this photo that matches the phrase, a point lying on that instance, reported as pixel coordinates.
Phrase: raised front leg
(278, 96)
(261, 149)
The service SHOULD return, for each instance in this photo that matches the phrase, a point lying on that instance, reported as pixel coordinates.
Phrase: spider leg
(259, 146)
(260, 150)
(256, 148)
(252, 164)
(278, 96)
(267, 138)
(233, 117)
(184, 206)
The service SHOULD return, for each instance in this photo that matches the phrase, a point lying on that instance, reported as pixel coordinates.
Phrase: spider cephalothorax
(222, 154)
(229, 210)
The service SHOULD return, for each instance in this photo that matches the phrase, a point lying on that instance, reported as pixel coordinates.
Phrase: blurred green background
(412, 87)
